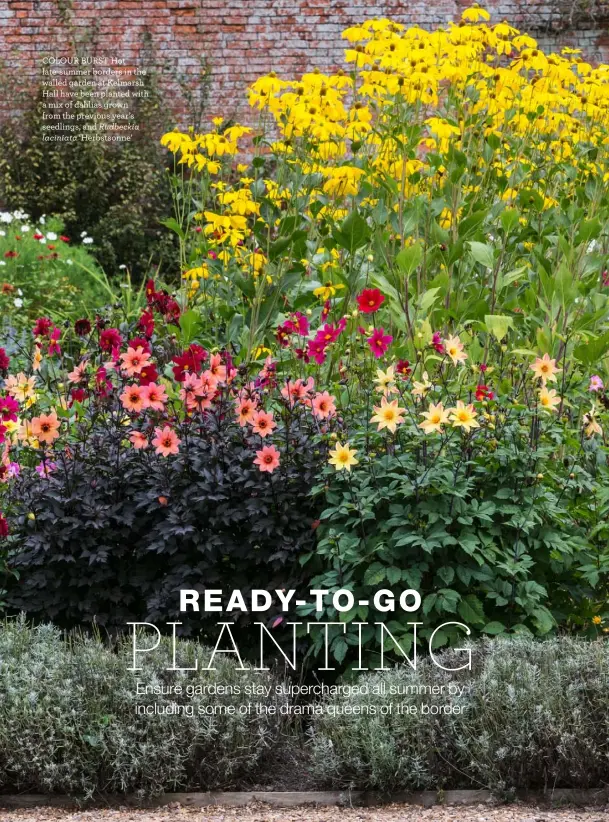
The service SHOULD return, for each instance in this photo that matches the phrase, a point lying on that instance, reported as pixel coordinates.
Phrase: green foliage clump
(116, 192)
(44, 271)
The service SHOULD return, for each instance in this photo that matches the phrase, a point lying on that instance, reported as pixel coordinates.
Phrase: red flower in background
(4, 360)
(403, 368)
(77, 395)
(54, 347)
(110, 338)
(64, 239)
(145, 323)
(102, 384)
(3, 526)
(370, 300)
(82, 327)
(379, 342)
(188, 362)
(437, 343)
(483, 393)
(148, 374)
(42, 327)
(141, 343)
(9, 408)
(162, 302)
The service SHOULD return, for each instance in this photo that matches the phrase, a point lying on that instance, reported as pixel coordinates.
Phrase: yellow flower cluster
(384, 129)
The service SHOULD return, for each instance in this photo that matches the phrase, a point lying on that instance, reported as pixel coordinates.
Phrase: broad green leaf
(471, 611)
(494, 628)
(482, 253)
(409, 258)
(498, 325)
(172, 224)
(428, 299)
(190, 325)
(353, 232)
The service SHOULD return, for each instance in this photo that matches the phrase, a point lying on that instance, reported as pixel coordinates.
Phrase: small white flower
(42, 220)
(51, 235)
(83, 233)
(2, 233)
(25, 228)
(6, 217)
(20, 292)
(69, 262)
(42, 240)
(88, 240)
(2, 262)
(122, 267)
(18, 303)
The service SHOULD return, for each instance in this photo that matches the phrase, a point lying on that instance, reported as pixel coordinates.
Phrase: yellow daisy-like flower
(463, 416)
(388, 415)
(545, 369)
(592, 426)
(11, 425)
(597, 620)
(455, 350)
(421, 388)
(342, 457)
(200, 272)
(435, 418)
(21, 388)
(26, 435)
(548, 400)
(474, 14)
(325, 292)
(385, 381)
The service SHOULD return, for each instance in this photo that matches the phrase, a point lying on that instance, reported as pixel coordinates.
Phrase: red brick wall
(245, 39)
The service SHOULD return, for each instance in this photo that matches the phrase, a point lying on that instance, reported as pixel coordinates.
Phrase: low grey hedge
(68, 723)
(535, 716)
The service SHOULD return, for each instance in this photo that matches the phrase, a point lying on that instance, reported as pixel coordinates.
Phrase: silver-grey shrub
(68, 722)
(536, 716)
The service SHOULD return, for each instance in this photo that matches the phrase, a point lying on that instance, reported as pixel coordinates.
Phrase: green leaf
(172, 224)
(471, 611)
(543, 620)
(190, 325)
(498, 325)
(482, 253)
(339, 648)
(428, 299)
(375, 574)
(588, 230)
(592, 350)
(509, 219)
(494, 628)
(409, 258)
(353, 233)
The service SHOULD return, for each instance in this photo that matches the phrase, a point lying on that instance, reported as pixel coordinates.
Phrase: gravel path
(261, 813)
